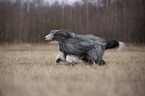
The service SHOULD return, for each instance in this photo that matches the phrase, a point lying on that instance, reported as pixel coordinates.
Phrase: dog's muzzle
(49, 37)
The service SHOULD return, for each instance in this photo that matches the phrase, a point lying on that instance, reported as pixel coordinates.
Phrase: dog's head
(58, 35)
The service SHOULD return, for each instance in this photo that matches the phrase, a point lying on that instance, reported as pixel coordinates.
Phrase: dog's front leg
(60, 57)
(72, 59)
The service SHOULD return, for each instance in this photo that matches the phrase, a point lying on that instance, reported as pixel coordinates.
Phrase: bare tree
(29, 22)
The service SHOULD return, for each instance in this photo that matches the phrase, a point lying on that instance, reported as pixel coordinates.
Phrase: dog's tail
(112, 43)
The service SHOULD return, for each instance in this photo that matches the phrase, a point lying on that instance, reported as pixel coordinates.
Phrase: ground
(30, 70)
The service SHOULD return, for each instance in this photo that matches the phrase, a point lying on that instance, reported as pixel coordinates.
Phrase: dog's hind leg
(95, 55)
(87, 60)
(100, 61)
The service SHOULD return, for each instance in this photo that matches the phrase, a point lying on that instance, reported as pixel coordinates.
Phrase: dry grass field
(30, 70)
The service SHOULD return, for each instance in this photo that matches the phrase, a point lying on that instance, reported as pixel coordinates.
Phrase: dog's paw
(100, 62)
(58, 60)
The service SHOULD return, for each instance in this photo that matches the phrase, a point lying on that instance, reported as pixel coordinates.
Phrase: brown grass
(30, 70)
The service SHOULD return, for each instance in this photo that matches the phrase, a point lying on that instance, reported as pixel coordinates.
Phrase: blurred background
(28, 21)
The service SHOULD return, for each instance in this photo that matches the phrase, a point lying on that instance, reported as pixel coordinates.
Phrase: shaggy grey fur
(89, 48)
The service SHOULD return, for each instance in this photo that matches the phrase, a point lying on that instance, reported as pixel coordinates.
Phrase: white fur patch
(72, 59)
(49, 37)
(60, 56)
(121, 45)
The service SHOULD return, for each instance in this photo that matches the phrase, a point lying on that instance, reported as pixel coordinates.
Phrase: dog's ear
(68, 34)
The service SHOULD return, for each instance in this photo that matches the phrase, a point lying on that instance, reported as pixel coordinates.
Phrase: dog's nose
(44, 37)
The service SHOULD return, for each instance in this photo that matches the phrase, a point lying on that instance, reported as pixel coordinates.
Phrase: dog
(87, 48)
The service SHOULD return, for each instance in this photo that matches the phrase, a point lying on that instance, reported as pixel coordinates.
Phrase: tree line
(29, 22)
